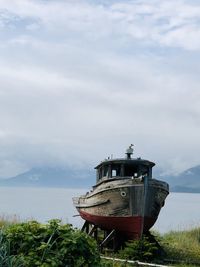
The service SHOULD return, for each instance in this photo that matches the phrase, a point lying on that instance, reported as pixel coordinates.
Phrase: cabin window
(99, 173)
(137, 171)
(131, 171)
(105, 171)
(123, 170)
(115, 170)
(144, 171)
(114, 173)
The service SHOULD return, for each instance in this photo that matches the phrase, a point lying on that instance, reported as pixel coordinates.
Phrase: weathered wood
(92, 230)
(85, 227)
(125, 198)
(108, 238)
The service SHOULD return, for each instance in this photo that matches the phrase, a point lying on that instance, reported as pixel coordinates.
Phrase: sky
(80, 80)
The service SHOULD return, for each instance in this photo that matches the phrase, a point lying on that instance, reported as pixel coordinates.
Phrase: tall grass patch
(6, 220)
(183, 245)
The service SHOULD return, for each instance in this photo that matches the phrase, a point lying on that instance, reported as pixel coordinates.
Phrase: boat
(125, 198)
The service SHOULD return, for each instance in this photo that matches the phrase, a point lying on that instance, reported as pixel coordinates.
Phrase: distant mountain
(187, 181)
(52, 177)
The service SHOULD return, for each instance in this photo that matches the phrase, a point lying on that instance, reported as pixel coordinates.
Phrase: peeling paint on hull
(130, 226)
(123, 205)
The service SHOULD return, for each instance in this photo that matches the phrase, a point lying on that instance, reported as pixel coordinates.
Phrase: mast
(129, 151)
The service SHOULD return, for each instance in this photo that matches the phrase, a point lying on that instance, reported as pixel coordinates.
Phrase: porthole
(123, 194)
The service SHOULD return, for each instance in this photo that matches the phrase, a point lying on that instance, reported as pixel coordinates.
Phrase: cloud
(163, 23)
(80, 80)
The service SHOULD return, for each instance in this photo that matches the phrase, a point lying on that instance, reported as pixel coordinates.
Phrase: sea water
(181, 210)
(41, 204)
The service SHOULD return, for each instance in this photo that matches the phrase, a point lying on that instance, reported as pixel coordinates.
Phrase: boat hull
(129, 226)
(126, 205)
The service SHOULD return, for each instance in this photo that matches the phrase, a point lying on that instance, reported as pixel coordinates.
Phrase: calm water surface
(181, 210)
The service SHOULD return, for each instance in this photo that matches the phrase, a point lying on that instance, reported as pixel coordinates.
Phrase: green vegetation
(141, 250)
(6, 220)
(181, 249)
(183, 245)
(178, 248)
(33, 244)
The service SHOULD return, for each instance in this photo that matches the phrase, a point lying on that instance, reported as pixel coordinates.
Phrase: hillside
(52, 177)
(187, 181)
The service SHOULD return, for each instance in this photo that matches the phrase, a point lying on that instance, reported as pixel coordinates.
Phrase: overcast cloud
(82, 79)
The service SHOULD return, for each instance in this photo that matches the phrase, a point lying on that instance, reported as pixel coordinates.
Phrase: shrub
(7, 260)
(51, 245)
(142, 249)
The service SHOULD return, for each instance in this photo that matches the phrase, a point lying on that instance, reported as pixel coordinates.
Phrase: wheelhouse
(124, 168)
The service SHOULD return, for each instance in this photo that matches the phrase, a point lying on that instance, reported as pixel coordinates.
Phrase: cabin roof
(131, 161)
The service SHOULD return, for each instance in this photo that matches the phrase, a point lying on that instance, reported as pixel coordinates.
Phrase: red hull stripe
(131, 225)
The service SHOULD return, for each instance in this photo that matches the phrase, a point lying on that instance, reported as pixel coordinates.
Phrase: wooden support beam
(92, 230)
(111, 239)
(85, 227)
(108, 238)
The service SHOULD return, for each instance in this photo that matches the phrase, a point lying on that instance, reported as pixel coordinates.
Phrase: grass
(182, 248)
(6, 220)
(183, 245)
